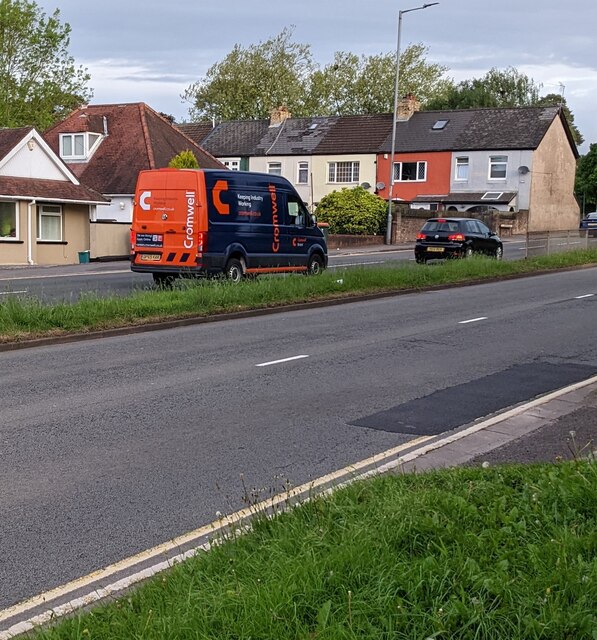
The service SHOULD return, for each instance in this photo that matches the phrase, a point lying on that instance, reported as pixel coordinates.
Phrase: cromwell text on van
(201, 222)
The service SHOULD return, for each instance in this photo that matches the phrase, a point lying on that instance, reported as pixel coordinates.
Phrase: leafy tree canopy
(250, 82)
(39, 82)
(586, 176)
(184, 160)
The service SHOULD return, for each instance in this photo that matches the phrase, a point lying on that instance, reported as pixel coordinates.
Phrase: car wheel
(234, 270)
(499, 253)
(468, 252)
(315, 265)
(420, 260)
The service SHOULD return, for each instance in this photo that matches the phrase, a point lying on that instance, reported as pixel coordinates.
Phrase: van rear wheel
(234, 270)
(315, 265)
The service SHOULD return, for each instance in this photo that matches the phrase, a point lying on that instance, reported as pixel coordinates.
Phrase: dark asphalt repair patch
(449, 408)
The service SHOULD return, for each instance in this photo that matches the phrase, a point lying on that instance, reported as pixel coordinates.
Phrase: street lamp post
(393, 151)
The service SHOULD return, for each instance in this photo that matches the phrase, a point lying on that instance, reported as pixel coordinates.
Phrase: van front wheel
(234, 270)
(315, 265)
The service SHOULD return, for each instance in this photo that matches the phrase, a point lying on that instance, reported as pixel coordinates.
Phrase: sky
(150, 51)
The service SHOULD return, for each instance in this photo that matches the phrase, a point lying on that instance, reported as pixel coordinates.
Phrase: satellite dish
(365, 185)
(523, 170)
(380, 185)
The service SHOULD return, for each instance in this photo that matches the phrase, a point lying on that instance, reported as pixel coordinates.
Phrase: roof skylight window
(439, 125)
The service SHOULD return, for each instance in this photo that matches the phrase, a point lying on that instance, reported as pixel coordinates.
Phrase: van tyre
(315, 265)
(234, 270)
(499, 253)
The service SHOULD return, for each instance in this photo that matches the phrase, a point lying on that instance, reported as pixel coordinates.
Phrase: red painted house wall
(437, 180)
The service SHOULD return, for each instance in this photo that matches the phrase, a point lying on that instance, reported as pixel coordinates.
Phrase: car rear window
(445, 225)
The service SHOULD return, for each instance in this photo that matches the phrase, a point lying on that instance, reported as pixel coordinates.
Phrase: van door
(301, 230)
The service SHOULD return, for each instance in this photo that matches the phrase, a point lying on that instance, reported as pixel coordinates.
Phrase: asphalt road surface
(111, 446)
(54, 284)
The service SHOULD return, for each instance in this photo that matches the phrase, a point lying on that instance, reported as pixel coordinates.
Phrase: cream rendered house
(44, 209)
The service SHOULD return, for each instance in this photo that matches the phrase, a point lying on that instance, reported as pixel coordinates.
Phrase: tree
(353, 211)
(507, 88)
(39, 83)
(250, 82)
(556, 100)
(351, 85)
(184, 160)
(586, 177)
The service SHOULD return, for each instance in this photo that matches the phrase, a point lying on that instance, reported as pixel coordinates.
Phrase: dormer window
(78, 146)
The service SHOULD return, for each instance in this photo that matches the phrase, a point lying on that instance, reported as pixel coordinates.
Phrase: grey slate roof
(468, 197)
(356, 134)
(473, 130)
(196, 131)
(295, 136)
(235, 138)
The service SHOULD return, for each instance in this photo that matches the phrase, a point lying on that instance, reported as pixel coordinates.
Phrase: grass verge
(22, 319)
(473, 553)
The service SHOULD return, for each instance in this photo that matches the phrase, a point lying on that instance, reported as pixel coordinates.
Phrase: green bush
(353, 211)
(184, 160)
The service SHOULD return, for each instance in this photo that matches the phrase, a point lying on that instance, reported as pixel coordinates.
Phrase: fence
(544, 243)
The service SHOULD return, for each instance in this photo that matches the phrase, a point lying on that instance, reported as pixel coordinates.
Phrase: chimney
(278, 116)
(407, 106)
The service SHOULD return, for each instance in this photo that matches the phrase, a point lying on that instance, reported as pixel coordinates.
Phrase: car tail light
(133, 238)
(456, 237)
(421, 236)
(441, 219)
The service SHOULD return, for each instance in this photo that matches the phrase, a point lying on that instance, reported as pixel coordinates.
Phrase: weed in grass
(504, 552)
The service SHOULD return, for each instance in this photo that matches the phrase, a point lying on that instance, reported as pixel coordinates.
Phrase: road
(54, 284)
(114, 445)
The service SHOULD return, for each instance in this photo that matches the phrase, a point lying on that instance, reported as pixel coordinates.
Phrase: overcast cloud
(149, 51)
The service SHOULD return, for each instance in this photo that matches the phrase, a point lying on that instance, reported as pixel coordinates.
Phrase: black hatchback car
(456, 238)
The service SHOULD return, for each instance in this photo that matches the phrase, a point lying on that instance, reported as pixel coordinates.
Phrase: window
(233, 164)
(303, 173)
(439, 125)
(297, 212)
(78, 146)
(275, 168)
(492, 195)
(49, 223)
(410, 171)
(462, 168)
(8, 220)
(343, 172)
(497, 167)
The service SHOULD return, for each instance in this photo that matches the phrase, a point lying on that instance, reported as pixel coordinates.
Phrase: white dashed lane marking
(473, 320)
(267, 364)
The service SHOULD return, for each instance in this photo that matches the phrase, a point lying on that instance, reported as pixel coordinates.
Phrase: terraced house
(520, 161)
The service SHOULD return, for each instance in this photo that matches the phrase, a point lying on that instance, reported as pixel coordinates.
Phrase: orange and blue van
(216, 221)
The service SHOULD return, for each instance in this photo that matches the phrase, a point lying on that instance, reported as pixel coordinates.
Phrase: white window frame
(43, 212)
(496, 161)
(274, 168)
(419, 163)
(89, 144)
(232, 163)
(16, 222)
(461, 162)
(351, 168)
(302, 169)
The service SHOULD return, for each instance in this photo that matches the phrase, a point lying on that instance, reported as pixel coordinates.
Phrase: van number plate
(150, 257)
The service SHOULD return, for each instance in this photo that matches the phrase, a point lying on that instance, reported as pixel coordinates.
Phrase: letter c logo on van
(143, 198)
(221, 207)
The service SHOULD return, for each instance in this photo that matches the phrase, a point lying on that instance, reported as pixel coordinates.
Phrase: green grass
(481, 554)
(23, 319)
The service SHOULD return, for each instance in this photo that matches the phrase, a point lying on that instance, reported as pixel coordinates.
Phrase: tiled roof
(196, 131)
(469, 197)
(138, 138)
(356, 134)
(295, 136)
(11, 137)
(473, 130)
(235, 138)
(54, 190)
